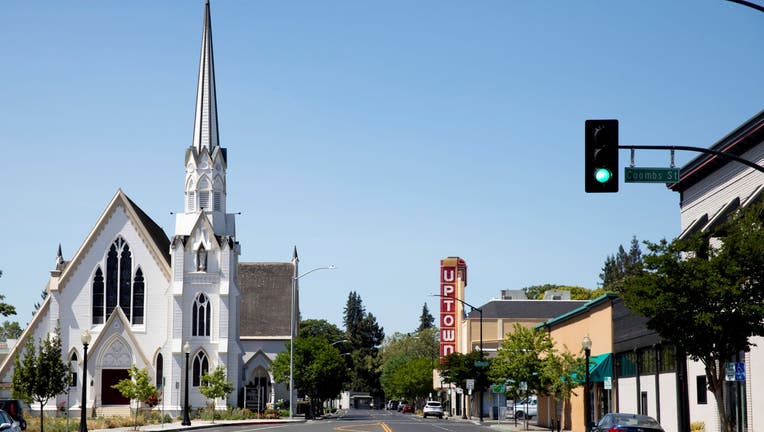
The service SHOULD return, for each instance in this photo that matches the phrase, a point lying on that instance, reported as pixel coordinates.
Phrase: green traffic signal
(603, 175)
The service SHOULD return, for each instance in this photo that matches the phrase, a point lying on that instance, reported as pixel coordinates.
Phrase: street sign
(497, 388)
(729, 371)
(481, 364)
(470, 384)
(608, 383)
(739, 371)
(651, 175)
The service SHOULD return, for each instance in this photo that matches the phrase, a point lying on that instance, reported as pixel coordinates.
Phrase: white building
(711, 187)
(142, 295)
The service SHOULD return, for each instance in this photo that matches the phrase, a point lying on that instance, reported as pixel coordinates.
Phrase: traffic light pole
(697, 149)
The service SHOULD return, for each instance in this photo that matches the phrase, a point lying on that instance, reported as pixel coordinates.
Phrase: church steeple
(206, 161)
(206, 118)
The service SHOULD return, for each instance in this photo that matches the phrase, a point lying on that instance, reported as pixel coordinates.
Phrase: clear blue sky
(376, 136)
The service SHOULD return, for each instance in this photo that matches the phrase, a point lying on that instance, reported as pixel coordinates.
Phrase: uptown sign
(447, 310)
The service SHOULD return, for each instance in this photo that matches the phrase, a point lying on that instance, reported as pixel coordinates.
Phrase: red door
(109, 395)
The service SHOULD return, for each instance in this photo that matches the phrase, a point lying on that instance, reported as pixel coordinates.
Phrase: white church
(142, 296)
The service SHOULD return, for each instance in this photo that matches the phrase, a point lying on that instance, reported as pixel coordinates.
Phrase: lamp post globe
(85, 338)
(186, 420)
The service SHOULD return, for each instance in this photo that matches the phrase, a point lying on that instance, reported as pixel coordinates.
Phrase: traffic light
(601, 158)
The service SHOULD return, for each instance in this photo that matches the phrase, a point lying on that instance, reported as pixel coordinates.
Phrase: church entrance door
(110, 377)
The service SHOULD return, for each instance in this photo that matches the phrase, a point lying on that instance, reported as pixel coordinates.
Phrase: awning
(600, 366)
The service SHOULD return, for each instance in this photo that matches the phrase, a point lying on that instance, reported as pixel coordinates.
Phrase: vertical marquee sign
(453, 277)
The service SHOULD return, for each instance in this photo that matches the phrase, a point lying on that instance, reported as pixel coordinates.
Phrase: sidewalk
(201, 424)
(504, 425)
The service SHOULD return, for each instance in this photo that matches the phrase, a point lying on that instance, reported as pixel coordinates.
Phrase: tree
(365, 336)
(319, 370)
(413, 379)
(536, 292)
(705, 296)
(137, 388)
(214, 385)
(520, 358)
(561, 374)
(321, 328)
(353, 313)
(457, 368)
(620, 266)
(40, 375)
(426, 320)
(398, 352)
(10, 330)
(6, 309)
(37, 305)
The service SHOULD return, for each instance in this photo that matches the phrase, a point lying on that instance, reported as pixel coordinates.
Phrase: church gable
(116, 344)
(123, 214)
(118, 266)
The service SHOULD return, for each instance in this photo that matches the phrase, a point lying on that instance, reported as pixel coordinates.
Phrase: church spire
(205, 160)
(206, 117)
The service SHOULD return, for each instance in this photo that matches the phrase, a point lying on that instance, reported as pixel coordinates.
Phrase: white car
(432, 408)
(526, 408)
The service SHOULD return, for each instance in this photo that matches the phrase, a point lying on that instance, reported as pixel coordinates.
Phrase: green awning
(600, 366)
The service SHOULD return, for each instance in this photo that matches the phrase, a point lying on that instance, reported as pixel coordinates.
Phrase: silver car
(526, 408)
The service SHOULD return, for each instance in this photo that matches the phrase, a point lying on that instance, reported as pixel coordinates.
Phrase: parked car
(14, 409)
(432, 408)
(7, 423)
(527, 407)
(407, 408)
(392, 404)
(621, 422)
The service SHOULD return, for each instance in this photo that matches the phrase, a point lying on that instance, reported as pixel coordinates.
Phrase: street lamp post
(586, 343)
(291, 334)
(83, 404)
(480, 311)
(186, 421)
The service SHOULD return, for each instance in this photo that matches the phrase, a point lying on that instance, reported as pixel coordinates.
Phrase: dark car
(14, 408)
(620, 422)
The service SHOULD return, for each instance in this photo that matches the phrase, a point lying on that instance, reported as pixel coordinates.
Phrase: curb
(201, 424)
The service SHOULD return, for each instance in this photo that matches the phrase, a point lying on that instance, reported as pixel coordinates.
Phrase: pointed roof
(206, 117)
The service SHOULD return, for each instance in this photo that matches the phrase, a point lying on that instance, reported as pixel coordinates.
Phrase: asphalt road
(367, 421)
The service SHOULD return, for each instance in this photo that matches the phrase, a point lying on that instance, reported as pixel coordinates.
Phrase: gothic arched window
(125, 274)
(138, 294)
(201, 316)
(204, 190)
(73, 366)
(115, 288)
(190, 196)
(217, 194)
(201, 367)
(160, 371)
(98, 297)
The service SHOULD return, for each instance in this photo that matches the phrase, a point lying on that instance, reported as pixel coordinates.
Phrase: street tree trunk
(716, 378)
